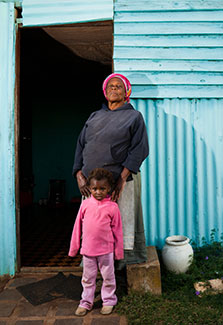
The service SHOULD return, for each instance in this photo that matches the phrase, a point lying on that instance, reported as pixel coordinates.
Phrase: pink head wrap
(128, 87)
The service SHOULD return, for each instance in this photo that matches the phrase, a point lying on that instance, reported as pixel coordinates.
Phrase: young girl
(98, 227)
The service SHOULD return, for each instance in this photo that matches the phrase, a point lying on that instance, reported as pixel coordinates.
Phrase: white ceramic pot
(177, 254)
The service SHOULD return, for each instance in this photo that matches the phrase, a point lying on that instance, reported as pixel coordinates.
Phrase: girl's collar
(107, 198)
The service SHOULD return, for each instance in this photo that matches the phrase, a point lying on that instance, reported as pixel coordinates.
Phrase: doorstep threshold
(50, 269)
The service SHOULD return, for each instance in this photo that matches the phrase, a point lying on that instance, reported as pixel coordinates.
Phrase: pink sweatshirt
(99, 225)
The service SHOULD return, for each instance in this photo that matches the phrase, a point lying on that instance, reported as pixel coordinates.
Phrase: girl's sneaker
(81, 311)
(106, 310)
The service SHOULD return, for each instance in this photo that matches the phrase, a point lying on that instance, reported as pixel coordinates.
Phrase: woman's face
(115, 91)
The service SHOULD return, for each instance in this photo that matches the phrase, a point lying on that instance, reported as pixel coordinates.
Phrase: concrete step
(145, 277)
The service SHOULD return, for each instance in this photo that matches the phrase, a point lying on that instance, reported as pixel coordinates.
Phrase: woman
(115, 138)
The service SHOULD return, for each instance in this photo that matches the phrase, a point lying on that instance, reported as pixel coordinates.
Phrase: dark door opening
(58, 91)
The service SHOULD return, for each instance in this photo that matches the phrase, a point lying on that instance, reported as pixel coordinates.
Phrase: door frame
(17, 140)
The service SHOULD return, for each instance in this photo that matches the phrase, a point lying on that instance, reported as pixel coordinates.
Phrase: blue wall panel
(168, 5)
(172, 52)
(170, 49)
(182, 179)
(7, 181)
(53, 12)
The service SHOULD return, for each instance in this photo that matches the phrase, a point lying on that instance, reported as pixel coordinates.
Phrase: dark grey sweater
(112, 139)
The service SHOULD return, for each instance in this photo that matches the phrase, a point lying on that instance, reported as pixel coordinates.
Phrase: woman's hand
(118, 189)
(82, 184)
(120, 184)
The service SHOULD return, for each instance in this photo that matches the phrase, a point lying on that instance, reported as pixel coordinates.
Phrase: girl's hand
(82, 184)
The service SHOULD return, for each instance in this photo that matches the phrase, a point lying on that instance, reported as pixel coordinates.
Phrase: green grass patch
(179, 302)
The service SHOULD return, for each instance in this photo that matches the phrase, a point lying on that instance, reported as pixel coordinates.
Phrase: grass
(180, 303)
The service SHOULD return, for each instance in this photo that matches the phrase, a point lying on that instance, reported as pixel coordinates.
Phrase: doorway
(58, 91)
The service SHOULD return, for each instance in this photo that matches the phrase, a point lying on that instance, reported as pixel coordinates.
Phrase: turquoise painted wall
(172, 52)
(7, 163)
(183, 176)
(47, 12)
(170, 49)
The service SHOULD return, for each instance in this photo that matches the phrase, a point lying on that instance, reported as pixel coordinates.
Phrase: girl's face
(99, 189)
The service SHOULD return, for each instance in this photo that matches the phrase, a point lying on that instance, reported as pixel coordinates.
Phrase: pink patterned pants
(105, 263)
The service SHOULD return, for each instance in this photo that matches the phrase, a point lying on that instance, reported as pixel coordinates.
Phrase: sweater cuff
(119, 256)
(73, 253)
(131, 166)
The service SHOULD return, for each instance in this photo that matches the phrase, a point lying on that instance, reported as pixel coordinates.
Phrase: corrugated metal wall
(170, 49)
(172, 52)
(53, 12)
(182, 180)
(7, 180)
